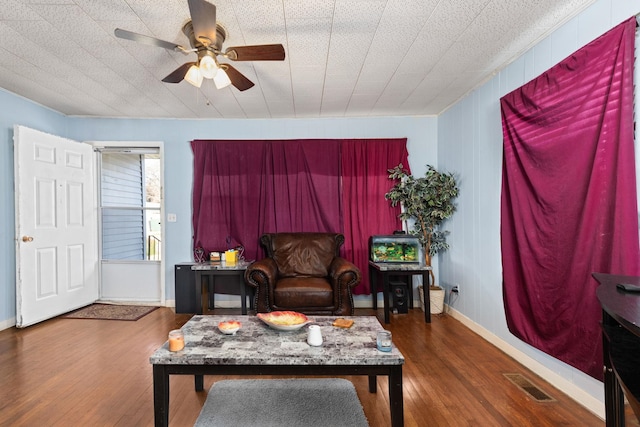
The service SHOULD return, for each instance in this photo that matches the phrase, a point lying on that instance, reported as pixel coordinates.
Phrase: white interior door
(56, 226)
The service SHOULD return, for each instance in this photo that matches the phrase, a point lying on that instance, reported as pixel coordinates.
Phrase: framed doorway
(131, 230)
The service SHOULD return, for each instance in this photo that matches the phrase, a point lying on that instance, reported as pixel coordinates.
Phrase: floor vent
(525, 385)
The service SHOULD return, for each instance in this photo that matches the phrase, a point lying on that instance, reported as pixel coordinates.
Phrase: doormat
(110, 312)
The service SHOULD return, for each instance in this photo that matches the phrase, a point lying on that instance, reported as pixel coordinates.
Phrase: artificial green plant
(428, 201)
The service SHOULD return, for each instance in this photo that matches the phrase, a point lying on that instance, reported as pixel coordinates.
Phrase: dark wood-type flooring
(74, 372)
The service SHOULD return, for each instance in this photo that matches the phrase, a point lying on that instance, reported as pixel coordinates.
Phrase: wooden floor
(73, 372)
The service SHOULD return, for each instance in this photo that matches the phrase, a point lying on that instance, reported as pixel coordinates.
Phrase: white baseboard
(6, 324)
(589, 402)
(364, 301)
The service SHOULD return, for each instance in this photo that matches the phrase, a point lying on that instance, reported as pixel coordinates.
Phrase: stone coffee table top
(400, 266)
(258, 344)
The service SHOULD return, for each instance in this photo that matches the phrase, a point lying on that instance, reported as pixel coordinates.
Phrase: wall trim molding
(6, 324)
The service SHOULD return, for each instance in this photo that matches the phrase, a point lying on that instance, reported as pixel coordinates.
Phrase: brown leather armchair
(303, 272)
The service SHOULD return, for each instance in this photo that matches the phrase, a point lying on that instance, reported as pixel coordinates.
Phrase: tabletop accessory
(176, 340)
(229, 327)
(383, 341)
(284, 320)
(343, 323)
(314, 338)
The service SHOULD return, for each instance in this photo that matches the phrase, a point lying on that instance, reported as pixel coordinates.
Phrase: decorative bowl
(229, 327)
(284, 320)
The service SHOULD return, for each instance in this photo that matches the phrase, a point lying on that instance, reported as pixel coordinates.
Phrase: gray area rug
(305, 402)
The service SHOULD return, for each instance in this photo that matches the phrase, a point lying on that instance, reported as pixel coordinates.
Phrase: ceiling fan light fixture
(194, 76)
(208, 67)
(221, 79)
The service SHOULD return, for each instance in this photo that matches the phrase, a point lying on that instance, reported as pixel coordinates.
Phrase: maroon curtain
(569, 197)
(302, 187)
(242, 189)
(365, 181)
(228, 190)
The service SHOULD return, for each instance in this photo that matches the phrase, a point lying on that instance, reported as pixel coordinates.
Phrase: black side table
(216, 270)
(381, 270)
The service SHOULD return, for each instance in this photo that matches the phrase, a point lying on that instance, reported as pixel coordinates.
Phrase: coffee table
(256, 349)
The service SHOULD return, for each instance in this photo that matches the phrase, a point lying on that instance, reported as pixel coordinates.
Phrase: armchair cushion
(302, 254)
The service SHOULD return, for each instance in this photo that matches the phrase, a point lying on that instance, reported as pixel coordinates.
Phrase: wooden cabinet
(621, 345)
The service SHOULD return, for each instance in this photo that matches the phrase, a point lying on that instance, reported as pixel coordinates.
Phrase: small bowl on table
(229, 327)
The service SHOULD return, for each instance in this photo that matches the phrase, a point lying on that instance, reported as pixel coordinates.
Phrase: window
(130, 204)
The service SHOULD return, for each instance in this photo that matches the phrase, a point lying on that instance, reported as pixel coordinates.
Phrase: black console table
(192, 278)
(381, 270)
(234, 273)
(621, 346)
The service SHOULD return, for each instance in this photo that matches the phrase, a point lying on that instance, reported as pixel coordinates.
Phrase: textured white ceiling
(345, 58)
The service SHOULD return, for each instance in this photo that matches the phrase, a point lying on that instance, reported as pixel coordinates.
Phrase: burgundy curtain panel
(227, 194)
(568, 203)
(243, 189)
(365, 181)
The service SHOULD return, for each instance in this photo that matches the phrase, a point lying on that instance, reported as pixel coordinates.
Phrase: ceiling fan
(206, 38)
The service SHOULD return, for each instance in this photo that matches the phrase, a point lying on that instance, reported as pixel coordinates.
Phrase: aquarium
(395, 248)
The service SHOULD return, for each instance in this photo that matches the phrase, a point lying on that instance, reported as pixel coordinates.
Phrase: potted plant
(428, 201)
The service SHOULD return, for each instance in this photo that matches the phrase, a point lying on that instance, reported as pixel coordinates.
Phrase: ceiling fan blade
(178, 74)
(203, 18)
(141, 38)
(264, 52)
(237, 78)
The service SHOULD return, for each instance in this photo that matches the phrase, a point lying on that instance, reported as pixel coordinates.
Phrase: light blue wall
(470, 142)
(176, 134)
(16, 110)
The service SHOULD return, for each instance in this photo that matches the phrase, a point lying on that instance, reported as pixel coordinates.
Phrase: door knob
(27, 239)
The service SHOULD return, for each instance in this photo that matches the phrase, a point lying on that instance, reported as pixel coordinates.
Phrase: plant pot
(436, 299)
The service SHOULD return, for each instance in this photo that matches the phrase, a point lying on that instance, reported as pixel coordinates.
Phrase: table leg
(373, 283)
(160, 396)
(198, 382)
(252, 298)
(619, 403)
(243, 293)
(373, 384)
(396, 404)
(199, 302)
(427, 301)
(410, 289)
(211, 291)
(385, 295)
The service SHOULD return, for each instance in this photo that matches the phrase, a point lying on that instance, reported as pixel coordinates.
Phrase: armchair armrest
(262, 275)
(343, 276)
(344, 272)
